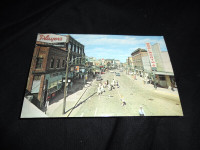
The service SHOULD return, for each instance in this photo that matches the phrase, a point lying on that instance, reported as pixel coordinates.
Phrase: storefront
(55, 83)
(165, 79)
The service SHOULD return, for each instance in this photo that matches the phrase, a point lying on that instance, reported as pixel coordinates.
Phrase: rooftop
(138, 50)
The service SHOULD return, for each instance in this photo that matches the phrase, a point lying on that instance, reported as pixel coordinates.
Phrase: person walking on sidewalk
(141, 111)
(107, 82)
(117, 84)
(102, 89)
(123, 101)
(113, 84)
(109, 87)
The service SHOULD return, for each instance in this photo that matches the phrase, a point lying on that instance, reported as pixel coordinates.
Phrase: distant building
(137, 56)
(117, 63)
(109, 63)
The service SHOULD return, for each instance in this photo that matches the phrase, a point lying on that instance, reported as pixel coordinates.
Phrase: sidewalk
(55, 109)
(151, 86)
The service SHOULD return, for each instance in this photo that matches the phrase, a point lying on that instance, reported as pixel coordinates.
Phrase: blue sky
(115, 46)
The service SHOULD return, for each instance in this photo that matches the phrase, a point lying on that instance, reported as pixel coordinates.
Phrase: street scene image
(86, 75)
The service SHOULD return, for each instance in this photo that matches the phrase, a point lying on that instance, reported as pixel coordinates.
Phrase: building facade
(77, 57)
(47, 71)
(137, 56)
(48, 67)
(164, 73)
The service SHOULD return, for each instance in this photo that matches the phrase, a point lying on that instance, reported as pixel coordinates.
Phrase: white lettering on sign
(51, 38)
(150, 53)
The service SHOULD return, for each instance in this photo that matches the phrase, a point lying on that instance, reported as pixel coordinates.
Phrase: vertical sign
(77, 68)
(151, 57)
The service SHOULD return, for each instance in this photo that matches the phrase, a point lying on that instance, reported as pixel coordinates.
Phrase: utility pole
(65, 88)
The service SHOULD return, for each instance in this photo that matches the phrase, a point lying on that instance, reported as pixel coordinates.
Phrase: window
(162, 77)
(78, 50)
(58, 63)
(39, 63)
(69, 46)
(74, 48)
(52, 63)
(63, 63)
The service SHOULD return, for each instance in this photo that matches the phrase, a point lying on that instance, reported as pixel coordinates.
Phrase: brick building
(137, 59)
(48, 66)
(47, 70)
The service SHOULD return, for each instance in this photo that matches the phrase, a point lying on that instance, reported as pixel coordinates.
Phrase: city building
(77, 57)
(117, 63)
(110, 63)
(48, 67)
(137, 60)
(164, 73)
(47, 71)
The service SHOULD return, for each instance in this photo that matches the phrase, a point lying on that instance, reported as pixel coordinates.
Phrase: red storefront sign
(51, 38)
(150, 53)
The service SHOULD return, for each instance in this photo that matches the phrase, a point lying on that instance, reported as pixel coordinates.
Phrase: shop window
(39, 62)
(58, 63)
(52, 63)
(161, 77)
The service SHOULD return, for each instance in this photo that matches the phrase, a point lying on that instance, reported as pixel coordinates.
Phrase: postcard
(88, 75)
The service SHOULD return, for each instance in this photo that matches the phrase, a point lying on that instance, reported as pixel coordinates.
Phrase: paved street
(88, 104)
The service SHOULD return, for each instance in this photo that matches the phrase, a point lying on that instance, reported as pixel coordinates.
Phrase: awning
(165, 73)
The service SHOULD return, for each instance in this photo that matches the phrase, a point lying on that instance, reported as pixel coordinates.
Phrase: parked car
(117, 74)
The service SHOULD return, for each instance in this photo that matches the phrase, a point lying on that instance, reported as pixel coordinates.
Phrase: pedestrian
(102, 89)
(117, 84)
(107, 82)
(99, 90)
(113, 84)
(141, 111)
(100, 84)
(123, 101)
(109, 87)
(155, 83)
